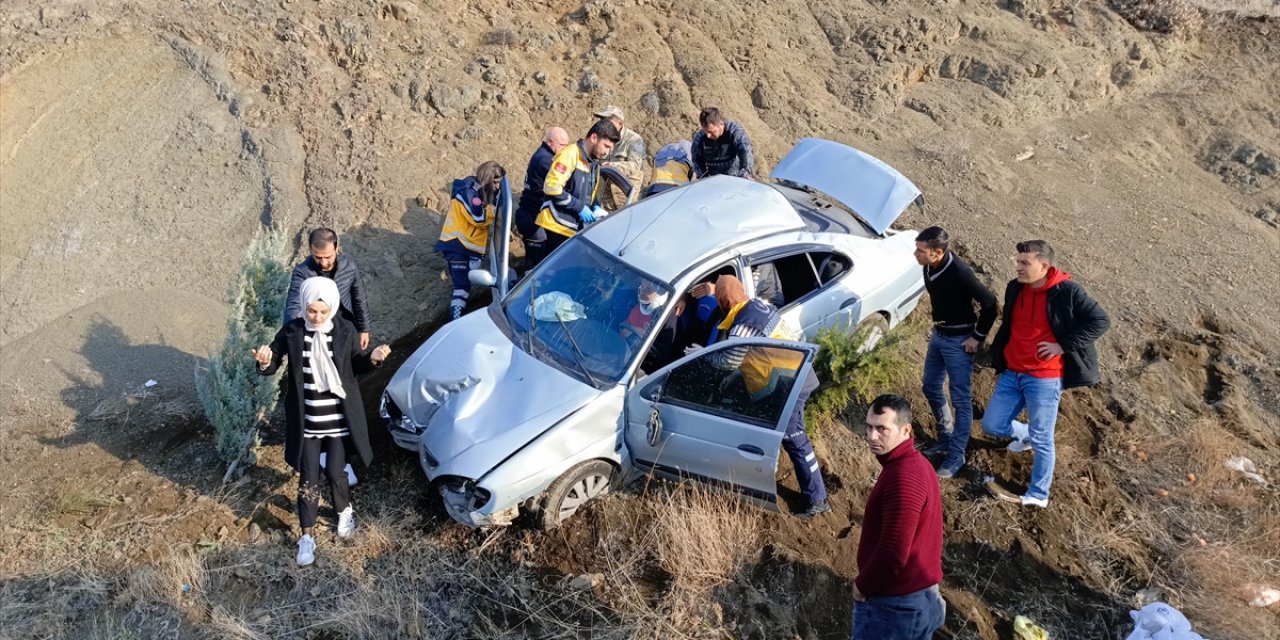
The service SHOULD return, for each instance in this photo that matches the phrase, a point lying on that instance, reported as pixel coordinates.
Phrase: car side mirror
(481, 277)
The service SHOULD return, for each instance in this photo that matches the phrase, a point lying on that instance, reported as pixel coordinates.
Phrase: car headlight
(395, 418)
(463, 496)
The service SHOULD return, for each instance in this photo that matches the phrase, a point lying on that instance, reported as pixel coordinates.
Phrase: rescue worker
(531, 197)
(721, 147)
(572, 198)
(465, 233)
(672, 167)
(762, 369)
(627, 157)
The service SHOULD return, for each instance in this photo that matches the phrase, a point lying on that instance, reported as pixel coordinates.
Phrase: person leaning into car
(465, 233)
(957, 334)
(747, 318)
(721, 147)
(572, 189)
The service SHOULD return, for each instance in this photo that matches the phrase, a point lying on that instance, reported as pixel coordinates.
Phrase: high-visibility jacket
(466, 226)
(571, 185)
(762, 367)
(671, 165)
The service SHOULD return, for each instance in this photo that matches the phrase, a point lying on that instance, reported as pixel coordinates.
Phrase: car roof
(666, 234)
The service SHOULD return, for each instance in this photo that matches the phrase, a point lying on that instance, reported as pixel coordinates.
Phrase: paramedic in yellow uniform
(465, 233)
(571, 189)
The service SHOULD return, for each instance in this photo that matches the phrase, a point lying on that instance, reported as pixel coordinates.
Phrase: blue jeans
(1039, 396)
(947, 360)
(914, 616)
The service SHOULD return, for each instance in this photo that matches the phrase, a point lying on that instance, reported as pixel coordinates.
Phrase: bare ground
(143, 143)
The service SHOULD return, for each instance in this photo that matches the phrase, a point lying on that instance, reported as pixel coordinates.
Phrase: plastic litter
(1258, 595)
(1025, 629)
(1247, 468)
(1159, 621)
(554, 306)
(152, 383)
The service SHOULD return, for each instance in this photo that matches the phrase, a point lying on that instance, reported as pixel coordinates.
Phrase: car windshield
(586, 312)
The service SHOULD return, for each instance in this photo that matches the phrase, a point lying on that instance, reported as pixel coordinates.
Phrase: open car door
(696, 420)
(497, 273)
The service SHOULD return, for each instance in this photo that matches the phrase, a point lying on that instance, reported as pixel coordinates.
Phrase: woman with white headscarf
(322, 402)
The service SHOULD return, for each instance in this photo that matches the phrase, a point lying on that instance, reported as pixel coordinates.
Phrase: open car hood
(873, 190)
(481, 398)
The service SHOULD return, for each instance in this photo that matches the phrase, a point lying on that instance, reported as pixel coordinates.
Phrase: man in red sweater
(900, 552)
(1044, 345)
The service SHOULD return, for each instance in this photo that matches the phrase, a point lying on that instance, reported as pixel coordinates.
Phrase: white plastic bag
(556, 305)
(1159, 621)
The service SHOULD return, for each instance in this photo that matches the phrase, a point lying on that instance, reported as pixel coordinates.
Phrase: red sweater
(1031, 327)
(900, 550)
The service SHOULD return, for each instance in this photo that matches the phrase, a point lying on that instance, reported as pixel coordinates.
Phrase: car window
(754, 391)
(585, 311)
(785, 280)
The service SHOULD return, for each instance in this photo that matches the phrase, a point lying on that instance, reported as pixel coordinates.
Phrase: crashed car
(539, 403)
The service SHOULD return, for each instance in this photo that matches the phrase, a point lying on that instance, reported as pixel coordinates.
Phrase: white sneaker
(1028, 501)
(945, 473)
(1021, 437)
(346, 522)
(306, 551)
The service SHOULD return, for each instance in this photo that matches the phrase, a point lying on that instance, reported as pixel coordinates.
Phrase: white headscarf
(323, 370)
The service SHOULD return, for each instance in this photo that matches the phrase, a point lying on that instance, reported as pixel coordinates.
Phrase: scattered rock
(589, 82)
(1026, 154)
(255, 533)
(450, 102)
(762, 97)
(586, 581)
(540, 77)
(651, 103)
(402, 10)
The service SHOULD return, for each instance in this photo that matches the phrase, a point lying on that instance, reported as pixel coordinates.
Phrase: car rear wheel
(575, 488)
(874, 329)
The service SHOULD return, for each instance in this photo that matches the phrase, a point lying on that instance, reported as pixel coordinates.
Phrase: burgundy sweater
(900, 550)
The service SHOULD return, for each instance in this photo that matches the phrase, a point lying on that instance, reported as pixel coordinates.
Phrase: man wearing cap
(627, 157)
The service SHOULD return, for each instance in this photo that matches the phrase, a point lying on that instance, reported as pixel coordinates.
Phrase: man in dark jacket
(1044, 345)
(957, 334)
(535, 175)
(571, 190)
(327, 260)
(721, 147)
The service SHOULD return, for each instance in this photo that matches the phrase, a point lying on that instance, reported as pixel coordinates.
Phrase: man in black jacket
(1044, 345)
(957, 334)
(327, 260)
(721, 147)
(531, 197)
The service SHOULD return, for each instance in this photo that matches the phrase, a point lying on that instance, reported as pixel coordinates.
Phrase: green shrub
(234, 396)
(849, 373)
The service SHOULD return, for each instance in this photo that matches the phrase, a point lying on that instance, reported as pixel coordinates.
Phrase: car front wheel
(570, 491)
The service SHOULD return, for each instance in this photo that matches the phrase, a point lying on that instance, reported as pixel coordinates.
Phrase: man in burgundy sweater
(1044, 345)
(900, 552)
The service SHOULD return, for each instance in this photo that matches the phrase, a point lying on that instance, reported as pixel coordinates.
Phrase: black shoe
(815, 510)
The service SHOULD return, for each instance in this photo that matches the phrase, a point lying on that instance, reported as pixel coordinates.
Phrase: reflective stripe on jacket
(671, 164)
(762, 367)
(570, 186)
(469, 218)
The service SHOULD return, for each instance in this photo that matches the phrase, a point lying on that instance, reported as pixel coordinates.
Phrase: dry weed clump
(1176, 17)
(1212, 582)
(166, 580)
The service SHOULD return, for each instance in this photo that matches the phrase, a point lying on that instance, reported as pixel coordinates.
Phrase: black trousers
(309, 482)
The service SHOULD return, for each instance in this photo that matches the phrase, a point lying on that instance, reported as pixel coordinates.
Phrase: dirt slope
(142, 143)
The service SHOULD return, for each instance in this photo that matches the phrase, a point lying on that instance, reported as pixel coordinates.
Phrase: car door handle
(847, 303)
(751, 448)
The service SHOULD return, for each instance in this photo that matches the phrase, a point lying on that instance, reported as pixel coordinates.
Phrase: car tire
(877, 327)
(569, 492)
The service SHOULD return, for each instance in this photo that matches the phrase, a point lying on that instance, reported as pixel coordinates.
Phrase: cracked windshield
(585, 312)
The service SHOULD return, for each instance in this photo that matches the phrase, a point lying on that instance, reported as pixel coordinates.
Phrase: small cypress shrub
(848, 373)
(235, 398)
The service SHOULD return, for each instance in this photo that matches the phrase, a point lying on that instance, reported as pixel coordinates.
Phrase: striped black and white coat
(291, 343)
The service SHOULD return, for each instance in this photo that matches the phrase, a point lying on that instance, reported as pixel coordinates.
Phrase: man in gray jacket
(326, 260)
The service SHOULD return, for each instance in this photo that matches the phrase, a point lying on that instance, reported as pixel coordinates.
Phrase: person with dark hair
(572, 190)
(465, 233)
(747, 318)
(1045, 345)
(327, 260)
(721, 147)
(900, 549)
(957, 333)
(627, 157)
(322, 404)
(534, 176)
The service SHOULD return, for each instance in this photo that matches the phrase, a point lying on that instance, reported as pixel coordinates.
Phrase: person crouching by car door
(760, 367)
(466, 229)
(322, 402)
